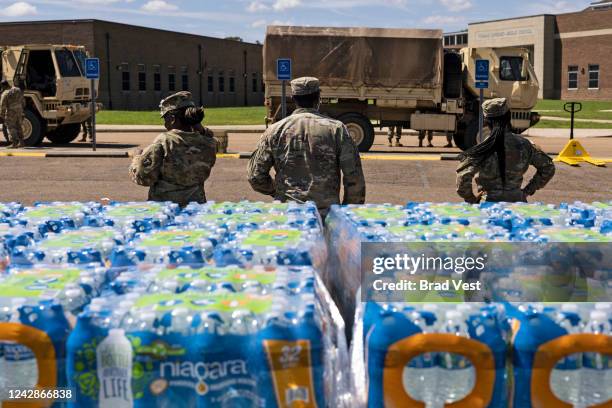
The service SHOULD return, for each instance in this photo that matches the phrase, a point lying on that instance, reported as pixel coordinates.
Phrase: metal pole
(480, 117)
(572, 123)
(284, 100)
(92, 92)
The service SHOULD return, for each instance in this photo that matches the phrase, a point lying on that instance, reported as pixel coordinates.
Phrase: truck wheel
(64, 134)
(32, 128)
(361, 130)
(466, 135)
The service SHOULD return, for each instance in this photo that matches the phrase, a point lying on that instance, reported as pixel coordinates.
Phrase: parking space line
(22, 154)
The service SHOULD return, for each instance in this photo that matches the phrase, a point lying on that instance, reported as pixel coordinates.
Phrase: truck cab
(55, 89)
(511, 76)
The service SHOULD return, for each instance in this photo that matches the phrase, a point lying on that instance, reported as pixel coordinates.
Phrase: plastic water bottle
(597, 367)
(20, 367)
(114, 357)
(565, 378)
(456, 373)
(421, 374)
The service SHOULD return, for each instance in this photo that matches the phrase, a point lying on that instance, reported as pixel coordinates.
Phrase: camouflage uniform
(12, 103)
(429, 137)
(397, 130)
(308, 152)
(520, 154)
(87, 125)
(178, 163)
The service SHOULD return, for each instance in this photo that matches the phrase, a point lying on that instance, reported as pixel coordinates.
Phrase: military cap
(495, 107)
(176, 101)
(304, 86)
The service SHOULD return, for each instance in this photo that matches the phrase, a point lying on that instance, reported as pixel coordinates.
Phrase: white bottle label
(114, 359)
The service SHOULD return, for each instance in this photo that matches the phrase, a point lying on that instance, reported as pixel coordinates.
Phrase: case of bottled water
(435, 354)
(132, 217)
(53, 217)
(82, 246)
(561, 354)
(258, 279)
(278, 246)
(214, 345)
(38, 308)
(173, 245)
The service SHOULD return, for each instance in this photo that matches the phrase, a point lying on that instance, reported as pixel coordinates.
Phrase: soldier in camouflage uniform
(179, 161)
(308, 152)
(12, 103)
(500, 162)
(397, 131)
(87, 125)
(429, 134)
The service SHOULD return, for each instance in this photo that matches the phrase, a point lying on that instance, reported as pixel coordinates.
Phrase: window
(171, 78)
(221, 82)
(67, 64)
(232, 84)
(593, 76)
(254, 83)
(156, 78)
(211, 82)
(40, 72)
(572, 77)
(184, 79)
(446, 40)
(80, 57)
(142, 78)
(125, 76)
(511, 69)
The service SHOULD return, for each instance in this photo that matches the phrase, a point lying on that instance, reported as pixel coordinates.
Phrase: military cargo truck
(55, 89)
(398, 77)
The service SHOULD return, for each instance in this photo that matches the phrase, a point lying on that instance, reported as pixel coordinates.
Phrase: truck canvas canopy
(358, 57)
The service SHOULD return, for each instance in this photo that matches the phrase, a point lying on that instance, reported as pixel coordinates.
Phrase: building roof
(93, 20)
(512, 18)
(457, 32)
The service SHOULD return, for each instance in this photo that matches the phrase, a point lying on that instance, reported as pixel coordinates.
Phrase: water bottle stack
(227, 304)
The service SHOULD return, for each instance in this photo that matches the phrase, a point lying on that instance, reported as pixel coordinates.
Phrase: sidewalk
(559, 119)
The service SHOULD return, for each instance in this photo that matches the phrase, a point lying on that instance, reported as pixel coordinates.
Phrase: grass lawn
(590, 109)
(252, 115)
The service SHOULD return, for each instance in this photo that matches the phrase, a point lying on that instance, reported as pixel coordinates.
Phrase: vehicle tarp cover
(356, 57)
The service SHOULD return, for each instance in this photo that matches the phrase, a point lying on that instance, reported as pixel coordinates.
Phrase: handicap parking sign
(283, 69)
(92, 68)
(482, 70)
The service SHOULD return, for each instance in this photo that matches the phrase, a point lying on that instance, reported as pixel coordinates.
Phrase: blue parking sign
(482, 70)
(283, 69)
(92, 68)
(482, 84)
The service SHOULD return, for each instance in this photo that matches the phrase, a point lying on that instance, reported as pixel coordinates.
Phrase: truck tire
(64, 134)
(361, 130)
(33, 128)
(466, 135)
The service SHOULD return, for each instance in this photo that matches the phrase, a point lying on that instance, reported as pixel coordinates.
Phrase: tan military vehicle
(398, 77)
(55, 89)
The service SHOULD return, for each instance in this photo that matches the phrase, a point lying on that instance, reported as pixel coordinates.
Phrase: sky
(248, 18)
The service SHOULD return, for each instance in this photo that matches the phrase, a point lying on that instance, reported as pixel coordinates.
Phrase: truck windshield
(80, 57)
(511, 69)
(67, 64)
